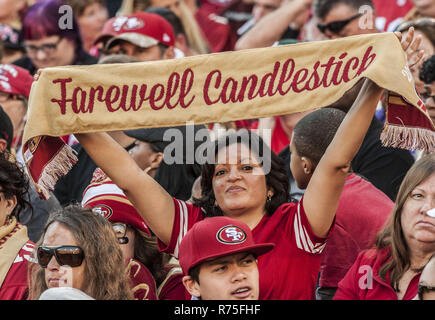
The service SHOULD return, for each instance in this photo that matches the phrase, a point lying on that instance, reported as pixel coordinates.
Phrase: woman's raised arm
(324, 189)
(152, 201)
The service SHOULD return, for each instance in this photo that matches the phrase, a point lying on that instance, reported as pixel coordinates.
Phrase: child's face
(234, 277)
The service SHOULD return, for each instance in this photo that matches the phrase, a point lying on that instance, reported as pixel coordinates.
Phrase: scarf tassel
(408, 138)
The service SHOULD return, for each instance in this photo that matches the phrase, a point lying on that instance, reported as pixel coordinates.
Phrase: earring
(269, 198)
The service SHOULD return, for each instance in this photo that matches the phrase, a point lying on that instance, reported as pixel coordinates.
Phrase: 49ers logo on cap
(104, 210)
(133, 24)
(231, 235)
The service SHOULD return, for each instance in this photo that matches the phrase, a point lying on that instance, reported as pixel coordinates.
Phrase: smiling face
(62, 276)
(418, 226)
(239, 183)
(233, 277)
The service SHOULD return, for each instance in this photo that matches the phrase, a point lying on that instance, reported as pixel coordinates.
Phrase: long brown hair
(392, 237)
(106, 275)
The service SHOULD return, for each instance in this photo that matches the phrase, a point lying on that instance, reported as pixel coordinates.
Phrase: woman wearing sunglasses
(15, 246)
(78, 249)
(152, 275)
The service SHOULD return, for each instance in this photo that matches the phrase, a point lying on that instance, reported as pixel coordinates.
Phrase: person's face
(239, 183)
(233, 277)
(15, 109)
(92, 20)
(62, 276)
(142, 54)
(297, 167)
(6, 207)
(264, 7)
(342, 12)
(144, 156)
(10, 8)
(126, 248)
(58, 52)
(425, 7)
(428, 94)
(173, 5)
(417, 225)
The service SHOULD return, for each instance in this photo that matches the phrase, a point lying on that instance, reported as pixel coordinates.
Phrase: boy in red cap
(218, 257)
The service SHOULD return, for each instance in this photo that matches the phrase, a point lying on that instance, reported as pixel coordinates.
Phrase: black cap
(155, 136)
(6, 128)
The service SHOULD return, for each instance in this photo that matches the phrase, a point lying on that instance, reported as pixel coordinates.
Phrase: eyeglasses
(336, 26)
(71, 256)
(47, 48)
(120, 232)
(422, 289)
(8, 96)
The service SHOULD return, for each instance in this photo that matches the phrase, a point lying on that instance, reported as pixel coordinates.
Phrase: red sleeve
(348, 287)
(185, 216)
(305, 238)
(143, 283)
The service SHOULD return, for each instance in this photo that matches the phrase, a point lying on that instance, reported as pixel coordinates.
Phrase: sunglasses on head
(422, 288)
(71, 256)
(336, 26)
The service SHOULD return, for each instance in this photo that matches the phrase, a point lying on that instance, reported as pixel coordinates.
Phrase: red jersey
(172, 287)
(144, 285)
(356, 226)
(390, 13)
(15, 285)
(287, 272)
(363, 282)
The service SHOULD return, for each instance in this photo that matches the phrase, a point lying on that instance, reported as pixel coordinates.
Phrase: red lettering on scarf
(283, 78)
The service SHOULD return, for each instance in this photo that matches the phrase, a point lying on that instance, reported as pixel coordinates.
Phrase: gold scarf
(211, 88)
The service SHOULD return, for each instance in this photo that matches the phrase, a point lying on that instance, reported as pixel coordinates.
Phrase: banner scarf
(218, 87)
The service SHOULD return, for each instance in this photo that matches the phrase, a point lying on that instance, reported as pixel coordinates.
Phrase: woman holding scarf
(238, 185)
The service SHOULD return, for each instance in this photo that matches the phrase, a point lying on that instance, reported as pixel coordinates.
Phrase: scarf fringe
(57, 167)
(408, 138)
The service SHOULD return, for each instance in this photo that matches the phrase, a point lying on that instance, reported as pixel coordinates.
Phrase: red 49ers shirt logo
(104, 210)
(231, 235)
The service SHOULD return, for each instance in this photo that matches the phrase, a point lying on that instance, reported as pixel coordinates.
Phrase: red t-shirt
(15, 285)
(287, 272)
(361, 214)
(143, 283)
(363, 282)
(390, 13)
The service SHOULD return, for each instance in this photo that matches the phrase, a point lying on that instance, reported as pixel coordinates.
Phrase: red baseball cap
(217, 237)
(144, 30)
(105, 198)
(15, 80)
(111, 28)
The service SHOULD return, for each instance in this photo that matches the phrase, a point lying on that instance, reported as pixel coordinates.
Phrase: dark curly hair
(276, 179)
(14, 182)
(427, 71)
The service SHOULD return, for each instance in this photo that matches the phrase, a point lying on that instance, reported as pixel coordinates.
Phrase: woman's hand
(411, 45)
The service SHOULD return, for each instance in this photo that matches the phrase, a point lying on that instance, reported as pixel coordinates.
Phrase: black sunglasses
(71, 256)
(422, 288)
(336, 26)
